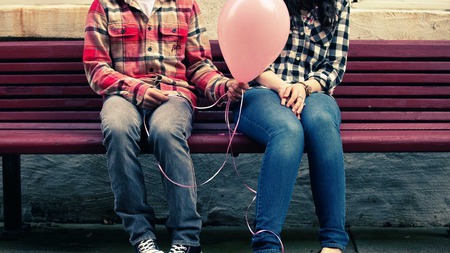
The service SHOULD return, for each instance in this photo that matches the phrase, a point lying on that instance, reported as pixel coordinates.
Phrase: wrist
(308, 89)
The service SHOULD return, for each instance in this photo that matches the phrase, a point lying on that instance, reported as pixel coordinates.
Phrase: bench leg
(12, 198)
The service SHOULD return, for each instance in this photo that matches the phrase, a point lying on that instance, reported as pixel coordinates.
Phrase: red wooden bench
(395, 98)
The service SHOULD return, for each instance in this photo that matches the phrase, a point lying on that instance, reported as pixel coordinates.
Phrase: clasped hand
(153, 98)
(293, 96)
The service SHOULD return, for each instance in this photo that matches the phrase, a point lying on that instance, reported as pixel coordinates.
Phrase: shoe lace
(148, 246)
(177, 248)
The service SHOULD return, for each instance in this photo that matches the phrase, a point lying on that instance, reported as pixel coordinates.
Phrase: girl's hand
(293, 96)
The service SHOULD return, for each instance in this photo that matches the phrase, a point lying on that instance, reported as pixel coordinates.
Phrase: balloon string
(263, 230)
(231, 132)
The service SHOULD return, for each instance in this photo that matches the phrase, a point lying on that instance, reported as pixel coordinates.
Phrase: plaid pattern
(126, 52)
(313, 53)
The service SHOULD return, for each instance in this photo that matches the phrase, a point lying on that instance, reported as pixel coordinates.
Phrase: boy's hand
(235, 89)
(153, 98)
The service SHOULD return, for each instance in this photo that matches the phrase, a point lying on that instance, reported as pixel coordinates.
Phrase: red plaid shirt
(126, 52)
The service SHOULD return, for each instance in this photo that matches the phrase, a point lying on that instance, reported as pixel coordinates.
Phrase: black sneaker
(147, 246)
(178, 248)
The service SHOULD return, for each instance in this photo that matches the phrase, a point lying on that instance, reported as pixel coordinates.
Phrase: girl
(289, 109)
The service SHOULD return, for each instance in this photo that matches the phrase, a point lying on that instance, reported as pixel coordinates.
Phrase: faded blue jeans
(285, 137)
(169, 127)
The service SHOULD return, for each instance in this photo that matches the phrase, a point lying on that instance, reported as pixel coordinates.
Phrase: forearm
(270, 80)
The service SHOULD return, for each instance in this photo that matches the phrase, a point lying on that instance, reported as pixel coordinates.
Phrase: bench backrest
(386, 82)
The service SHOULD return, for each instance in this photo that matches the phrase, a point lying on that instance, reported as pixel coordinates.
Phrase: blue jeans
(169, 127)
(285, 137)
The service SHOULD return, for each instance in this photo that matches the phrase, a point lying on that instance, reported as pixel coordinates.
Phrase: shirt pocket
(123, 32)
(174, 38)
(125, 41)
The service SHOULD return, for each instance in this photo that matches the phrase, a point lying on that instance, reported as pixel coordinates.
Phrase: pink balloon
(252, 33)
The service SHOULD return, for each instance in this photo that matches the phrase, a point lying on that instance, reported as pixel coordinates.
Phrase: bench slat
(395, 126)
(56, 104)
(394, 104)
(387, 49)
(396, 141)
(350, 78)
(47, 91)
(36, 79)
(344, 103)
(29, 67)
(85, 116)
(49, 116)
(87, 142)
(341, 91)
(395, 116)
(32, 50)
(90, 142)
(398, 66)
(404, 49)
(222, 127)
(392, 91)
(213, 116)
(395, 78)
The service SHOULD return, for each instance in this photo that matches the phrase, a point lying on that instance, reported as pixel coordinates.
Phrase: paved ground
(53, 238)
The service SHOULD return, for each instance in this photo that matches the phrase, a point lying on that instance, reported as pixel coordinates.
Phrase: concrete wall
(369, 20)
(383, 189)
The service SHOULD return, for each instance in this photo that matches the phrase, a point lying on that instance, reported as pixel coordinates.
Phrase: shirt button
(302, 33)
(149, 49)
(151, 70)
(297, 58)
(174, 30)
(122, 31)
(149, 28)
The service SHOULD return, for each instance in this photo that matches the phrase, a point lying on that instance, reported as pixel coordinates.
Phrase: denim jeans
(169, 127)
(266, 121)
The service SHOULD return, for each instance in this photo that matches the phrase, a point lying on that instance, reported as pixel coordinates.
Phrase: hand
(293, 96)
(153, 98)
(235, 89)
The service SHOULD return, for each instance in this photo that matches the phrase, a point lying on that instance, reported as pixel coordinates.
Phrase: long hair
(323, 10)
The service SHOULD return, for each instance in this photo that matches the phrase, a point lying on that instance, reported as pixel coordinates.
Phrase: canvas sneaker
(147, 246)
(178, 248)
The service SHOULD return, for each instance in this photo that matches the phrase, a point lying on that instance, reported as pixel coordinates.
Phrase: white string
(227, 151)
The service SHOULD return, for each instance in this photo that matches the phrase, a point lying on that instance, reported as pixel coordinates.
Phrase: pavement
(99, 238)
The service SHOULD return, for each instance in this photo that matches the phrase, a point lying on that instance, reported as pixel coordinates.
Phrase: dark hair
(323, 10)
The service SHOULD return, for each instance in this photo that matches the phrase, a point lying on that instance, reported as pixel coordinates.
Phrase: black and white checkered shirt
(311, 52)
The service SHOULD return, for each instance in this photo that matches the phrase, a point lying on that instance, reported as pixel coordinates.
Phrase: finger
(150, 103)
(286, 95)
(231, 96)
(159, 96)
(291, 101)
(237, 93)
(244, 86)
(300, 110)
(298, 104)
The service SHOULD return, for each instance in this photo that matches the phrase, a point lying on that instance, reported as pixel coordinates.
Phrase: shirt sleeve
(330, 73)
(200, 68)
(103, 79)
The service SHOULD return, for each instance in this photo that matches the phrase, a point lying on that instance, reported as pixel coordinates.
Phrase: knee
(121, 132)
(165, 133)
(320, 120)
(289, 132)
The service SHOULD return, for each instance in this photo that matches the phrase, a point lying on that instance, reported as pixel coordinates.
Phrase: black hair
(323, 10)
